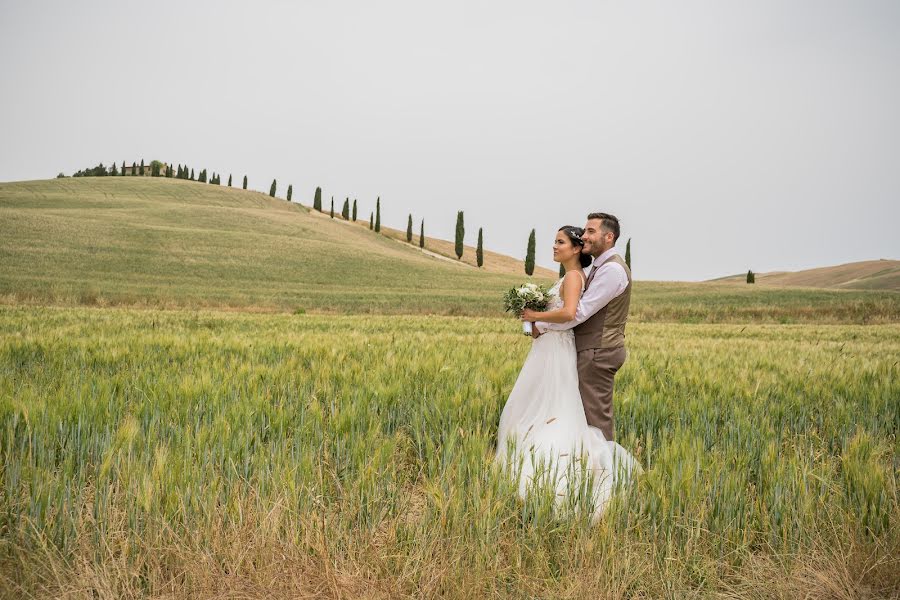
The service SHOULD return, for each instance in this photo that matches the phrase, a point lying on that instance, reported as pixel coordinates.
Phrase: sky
(725, 135)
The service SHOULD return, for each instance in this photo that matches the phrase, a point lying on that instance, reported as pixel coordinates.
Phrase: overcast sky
(724, 135)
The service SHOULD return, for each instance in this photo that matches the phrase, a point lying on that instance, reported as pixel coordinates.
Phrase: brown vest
(606, 329)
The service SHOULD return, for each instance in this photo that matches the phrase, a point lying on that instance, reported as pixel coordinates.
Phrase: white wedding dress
(544, 438)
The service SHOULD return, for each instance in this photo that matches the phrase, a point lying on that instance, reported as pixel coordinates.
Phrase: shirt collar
(603, 257)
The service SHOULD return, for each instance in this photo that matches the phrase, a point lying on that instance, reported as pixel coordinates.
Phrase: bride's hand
(529, 315)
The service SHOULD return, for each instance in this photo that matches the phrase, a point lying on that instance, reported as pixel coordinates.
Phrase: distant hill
(866, 275)
(167, 243)
(170, 242)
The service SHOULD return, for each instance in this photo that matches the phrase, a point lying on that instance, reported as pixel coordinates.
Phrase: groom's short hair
(609, 223)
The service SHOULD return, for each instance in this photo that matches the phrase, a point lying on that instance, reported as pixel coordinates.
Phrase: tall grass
(150, 454)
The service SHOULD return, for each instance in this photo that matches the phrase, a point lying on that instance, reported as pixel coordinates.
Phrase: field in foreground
(164, 243)
(160, 454)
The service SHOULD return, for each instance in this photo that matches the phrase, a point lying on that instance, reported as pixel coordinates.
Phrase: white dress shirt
(609, 281)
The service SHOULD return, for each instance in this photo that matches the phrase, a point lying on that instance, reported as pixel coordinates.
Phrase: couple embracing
(557, 425)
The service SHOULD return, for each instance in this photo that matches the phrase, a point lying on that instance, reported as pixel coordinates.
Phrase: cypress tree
(378, 215)
(142, 166)
(628, 253)
(371, 221)
(345, 212)
(529, 256)
(751, 278)
(409, 230)
(123, 169)
(479, 251)
(192, 173)
(114, 170)
(202, 177)
(229, 180)
(133, 168)
(272, 189)
(154, 169)
(245, 182)
(290, 191)
(332, 207)
(317, 200)
(460, 233)
(354, 210)
(422, 234)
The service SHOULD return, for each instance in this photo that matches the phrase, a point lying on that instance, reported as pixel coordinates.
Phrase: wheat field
(164, 454)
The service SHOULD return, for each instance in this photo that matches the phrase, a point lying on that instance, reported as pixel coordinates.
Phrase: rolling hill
(865, 275)
(169, 242)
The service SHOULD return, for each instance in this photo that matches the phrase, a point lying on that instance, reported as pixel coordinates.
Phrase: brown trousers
(596, 371)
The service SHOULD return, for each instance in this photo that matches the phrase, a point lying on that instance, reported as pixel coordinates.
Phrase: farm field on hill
(164, 243)
(151, 453)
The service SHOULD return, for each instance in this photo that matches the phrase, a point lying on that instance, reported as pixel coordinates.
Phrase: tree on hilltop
(272, 189)
(345, 212)
(332, 207)
(529, 255)
(479, 251)
(113, 170)
(122, 174)
(751, 278)
(290, 192)
(378, 215)
(245, 182)
(371, 221)
(460, 234)
(317, 199)
(422, 234)
(354, 210)
(409, 230)
(133, 168)
(192, 173)
(229, 180)
(142, 166)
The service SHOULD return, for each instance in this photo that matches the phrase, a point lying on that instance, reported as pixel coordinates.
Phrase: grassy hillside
(176, 243)
(865, 275)
(169, 243)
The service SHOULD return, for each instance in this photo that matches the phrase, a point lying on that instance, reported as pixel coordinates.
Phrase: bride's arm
(571, 288)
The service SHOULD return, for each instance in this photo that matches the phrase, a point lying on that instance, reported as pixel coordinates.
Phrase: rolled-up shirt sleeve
(609, 281)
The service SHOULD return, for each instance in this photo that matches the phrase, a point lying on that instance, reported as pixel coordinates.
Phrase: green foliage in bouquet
(529, 295)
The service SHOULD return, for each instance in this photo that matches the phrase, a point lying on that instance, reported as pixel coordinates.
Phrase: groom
(599, 323)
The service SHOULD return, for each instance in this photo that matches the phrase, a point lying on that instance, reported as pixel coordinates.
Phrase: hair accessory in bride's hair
(574, 234)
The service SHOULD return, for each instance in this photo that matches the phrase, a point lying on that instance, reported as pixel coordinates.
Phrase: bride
(544, 438)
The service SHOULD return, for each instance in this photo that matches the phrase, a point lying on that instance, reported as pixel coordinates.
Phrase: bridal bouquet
(529, 295)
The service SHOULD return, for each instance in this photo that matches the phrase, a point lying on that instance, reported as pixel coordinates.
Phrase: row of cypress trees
(348, 213)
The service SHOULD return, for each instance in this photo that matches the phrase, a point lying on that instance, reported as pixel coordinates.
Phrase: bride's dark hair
(574, 234)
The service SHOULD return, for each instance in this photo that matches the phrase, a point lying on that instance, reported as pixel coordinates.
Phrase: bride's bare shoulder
(577, 274)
